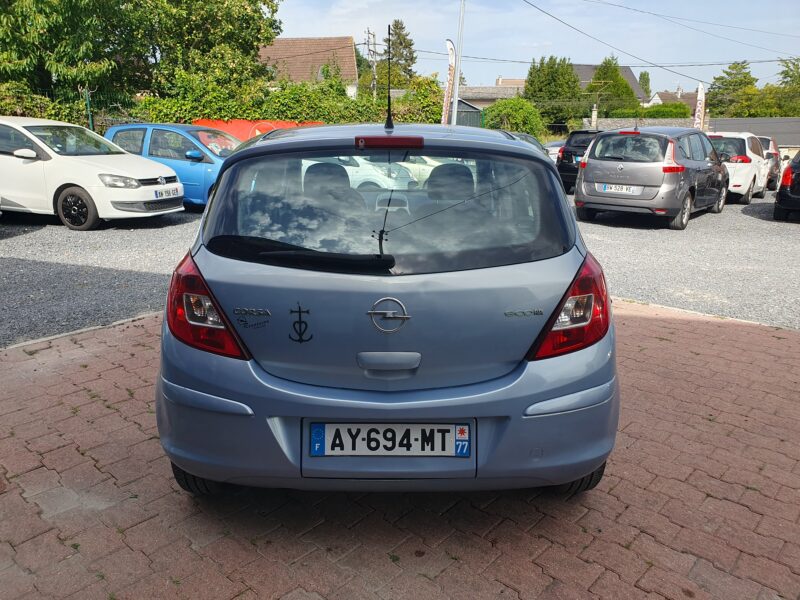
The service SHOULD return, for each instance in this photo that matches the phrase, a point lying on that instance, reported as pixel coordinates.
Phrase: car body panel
(33, 185)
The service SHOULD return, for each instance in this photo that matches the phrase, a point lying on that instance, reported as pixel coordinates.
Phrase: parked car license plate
(168, 193)
(618, 189)
(390, 439)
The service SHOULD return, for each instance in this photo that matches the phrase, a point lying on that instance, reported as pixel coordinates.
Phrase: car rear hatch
(575, 148)
(625, 164)
(734, 148)
(393, 289)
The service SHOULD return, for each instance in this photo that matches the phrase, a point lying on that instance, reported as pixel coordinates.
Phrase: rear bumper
(667, 201)
(787, 200)
(545, 423)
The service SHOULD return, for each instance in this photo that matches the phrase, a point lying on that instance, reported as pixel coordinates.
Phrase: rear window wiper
(329, 261)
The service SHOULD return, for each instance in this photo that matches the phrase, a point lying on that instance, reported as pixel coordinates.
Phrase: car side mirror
(786, 157)
(724, 157)
(412, 185)
(194, 155)
(26, 154)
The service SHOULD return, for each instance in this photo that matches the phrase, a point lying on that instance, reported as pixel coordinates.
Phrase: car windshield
(581, 140)
(218, 142)
(631, 148)
(728, 145)
(356, 212)
(69, 140)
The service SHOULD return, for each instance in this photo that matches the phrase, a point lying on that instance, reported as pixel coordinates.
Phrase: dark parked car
(570, 154)
(663, 171)
(788, 197)
(773, 156)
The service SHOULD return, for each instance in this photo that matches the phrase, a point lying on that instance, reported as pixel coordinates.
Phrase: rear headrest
(451, 181)
(325, 177)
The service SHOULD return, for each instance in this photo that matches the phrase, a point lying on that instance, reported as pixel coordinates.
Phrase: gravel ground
(739, 264)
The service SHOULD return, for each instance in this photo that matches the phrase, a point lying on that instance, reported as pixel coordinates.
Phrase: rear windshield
(365, 212)
(629, 148)
(580, 139)
(728, 145)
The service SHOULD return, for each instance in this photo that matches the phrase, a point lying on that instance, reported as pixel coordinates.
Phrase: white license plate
(390, 439)
(578, 158)
(168, 193)
(618, 189)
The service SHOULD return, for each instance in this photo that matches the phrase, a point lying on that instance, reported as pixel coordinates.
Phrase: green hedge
(670, 110)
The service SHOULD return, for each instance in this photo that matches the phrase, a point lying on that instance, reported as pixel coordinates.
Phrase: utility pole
(457, 72)
(372, 53)
(596, 101)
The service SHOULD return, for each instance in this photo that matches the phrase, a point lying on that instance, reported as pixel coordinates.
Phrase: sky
(513, 30)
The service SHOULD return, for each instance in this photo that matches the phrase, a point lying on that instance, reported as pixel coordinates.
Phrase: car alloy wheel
(720, 203)
(75, 210)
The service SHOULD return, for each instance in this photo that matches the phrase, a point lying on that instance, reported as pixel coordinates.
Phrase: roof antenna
(389, 123)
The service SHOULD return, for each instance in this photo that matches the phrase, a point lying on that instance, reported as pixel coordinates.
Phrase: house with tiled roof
(303, 59)
(679, 95)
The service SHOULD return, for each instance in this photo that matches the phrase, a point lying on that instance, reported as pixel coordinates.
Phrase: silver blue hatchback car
(454, 336)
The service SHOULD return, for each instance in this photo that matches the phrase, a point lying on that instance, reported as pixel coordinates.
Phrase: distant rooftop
(301, 59)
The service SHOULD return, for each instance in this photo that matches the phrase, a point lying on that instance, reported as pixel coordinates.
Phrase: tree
(724, 88)
(555, 88)
(644, 83)
(362, 64)
(403, 56)
(610, 87)
(790, 72)
(515, 114)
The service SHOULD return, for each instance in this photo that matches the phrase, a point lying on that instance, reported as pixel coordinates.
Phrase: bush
(670, 110)
(515, 114)
(16, 99)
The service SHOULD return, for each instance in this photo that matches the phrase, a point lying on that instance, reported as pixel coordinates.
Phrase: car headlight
(118, 181)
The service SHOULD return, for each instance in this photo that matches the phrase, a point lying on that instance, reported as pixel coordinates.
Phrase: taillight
(584, 162)
(634, 132)
(786, 178)
(193, 316)
(740, 159)
(581, 319)
(670, 164)
(390, 141)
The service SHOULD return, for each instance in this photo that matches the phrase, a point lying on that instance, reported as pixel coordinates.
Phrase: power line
(703, 31)
(596, 39)
(647, 12)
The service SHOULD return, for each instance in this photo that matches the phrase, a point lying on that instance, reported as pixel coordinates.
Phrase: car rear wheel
(772, 184)
(747, 197)
(76, 209)
(780, 214)
(681, 220)
(717, 207)
(195, 485)
(584, 484)
(762, 193)
(585, 214)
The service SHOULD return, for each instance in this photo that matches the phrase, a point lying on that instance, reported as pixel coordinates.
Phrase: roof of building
(688, 98)
(488, 92)
(506, 81)
(300, 59)
(785, 130)
(586, 72)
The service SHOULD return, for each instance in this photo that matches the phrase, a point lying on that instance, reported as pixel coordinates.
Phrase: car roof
(25, 121)
(177, 126)
(736, 134)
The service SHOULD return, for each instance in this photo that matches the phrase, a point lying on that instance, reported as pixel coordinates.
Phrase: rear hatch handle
(389, 365)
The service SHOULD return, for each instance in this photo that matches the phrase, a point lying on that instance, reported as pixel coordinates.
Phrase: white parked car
(748, 168)
(49, 167)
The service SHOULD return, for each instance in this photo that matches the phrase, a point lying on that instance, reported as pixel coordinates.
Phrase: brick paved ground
(701, 498)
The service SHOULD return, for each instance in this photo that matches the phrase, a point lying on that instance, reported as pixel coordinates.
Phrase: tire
(747, 197)
(681, 220)
(369, 186)
(717, 207)
(780, 214)
(195, 485)
(584, 484)
(76, 209)
(772, 184)
(762, 193)
(585, 214)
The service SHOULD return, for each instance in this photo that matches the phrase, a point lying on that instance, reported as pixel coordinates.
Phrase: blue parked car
(195, 153)
(452, 337)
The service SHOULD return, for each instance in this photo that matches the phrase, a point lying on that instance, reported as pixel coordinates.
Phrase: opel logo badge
(386, 310)
(161, 181)
(620, 167)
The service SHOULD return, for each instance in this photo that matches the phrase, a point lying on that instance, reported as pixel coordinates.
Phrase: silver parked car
(453, 337)
(663, 171)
